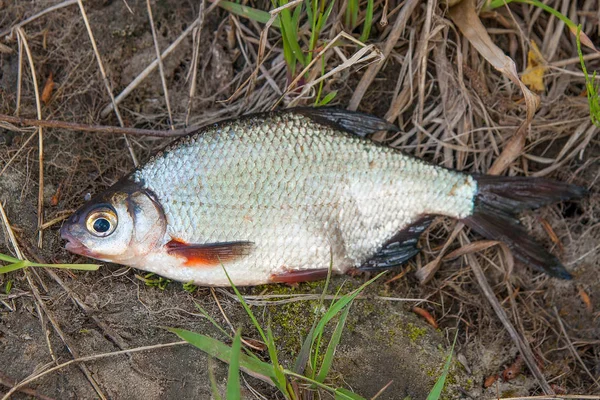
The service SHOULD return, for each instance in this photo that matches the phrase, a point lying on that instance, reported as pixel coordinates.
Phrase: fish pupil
(101, 225)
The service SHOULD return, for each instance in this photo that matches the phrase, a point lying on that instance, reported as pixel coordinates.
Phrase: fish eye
(101, 222)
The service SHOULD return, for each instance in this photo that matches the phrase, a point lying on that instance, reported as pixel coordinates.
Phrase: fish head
(122, 225)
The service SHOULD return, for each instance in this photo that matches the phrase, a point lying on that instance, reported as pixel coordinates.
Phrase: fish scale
(298, 187)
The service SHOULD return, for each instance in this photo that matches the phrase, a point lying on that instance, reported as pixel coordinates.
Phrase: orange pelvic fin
(209, 254)
(300, 276)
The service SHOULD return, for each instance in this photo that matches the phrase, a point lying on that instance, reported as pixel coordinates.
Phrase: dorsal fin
(354, 122)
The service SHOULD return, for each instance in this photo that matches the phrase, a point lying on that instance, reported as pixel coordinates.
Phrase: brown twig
(572, 348)
(383, 389)
(38, 105)
(40, 303)
(152, 66)
(105, 79)
(161, 68)
(247, 343)
(195, 60)
(112, 130)
(84, 359)
(373, 69)
(9, 383)
(36, 16)
(521, 344)
(424, 43)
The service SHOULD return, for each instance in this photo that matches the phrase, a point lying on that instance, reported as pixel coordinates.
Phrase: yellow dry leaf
(536, 67)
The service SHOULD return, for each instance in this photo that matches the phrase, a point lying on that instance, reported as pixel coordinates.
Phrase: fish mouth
(73, 245)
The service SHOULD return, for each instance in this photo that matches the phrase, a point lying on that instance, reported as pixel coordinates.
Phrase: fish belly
(306, 195)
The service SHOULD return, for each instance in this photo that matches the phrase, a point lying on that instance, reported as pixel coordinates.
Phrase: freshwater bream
(277, 197)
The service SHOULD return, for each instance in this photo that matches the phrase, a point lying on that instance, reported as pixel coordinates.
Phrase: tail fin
(500, 198)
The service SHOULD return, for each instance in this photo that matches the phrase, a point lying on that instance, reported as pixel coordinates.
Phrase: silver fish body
(272, 197)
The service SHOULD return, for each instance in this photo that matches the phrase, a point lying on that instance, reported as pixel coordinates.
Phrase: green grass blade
(8, 286)
(233, 377)
(320, 90)
(304, 354)
(345, 394)
(246, 308)
(212, 320)
(436, 392)
(341, 303)
(311, 11)
(7, 258)
(351, 14)
(222, 330)
(320, 21)
(288, 55)
(327, 99)
(273, 369)
(341, 393)
(275, 360)
(289, 31)
(354, 17)
(591, 87)
(325, 16)
(335, 308)
(499, 3)
(590, 84)
(368, 22)
(335, 340)
(305, 350)
(296, 16)
(12, 267)
(220, 350)
(82, 267)
(248, 12)
(214, 388)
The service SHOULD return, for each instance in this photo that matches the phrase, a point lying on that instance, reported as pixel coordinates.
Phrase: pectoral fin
(209, 254)
(400, 248)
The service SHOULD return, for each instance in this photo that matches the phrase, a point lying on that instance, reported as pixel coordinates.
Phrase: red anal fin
(305, 275)
(209, 254)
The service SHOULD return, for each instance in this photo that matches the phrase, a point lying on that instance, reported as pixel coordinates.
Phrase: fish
(287, 196)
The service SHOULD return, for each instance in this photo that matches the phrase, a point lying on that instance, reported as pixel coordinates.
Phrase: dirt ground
(453, 108)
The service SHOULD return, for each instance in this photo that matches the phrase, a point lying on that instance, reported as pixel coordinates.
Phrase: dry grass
(453, 106)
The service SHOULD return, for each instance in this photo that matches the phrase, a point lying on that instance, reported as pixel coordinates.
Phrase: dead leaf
(536, 67)
(558, 389)
(471, 248)
(399, 276)
(56, 197)
(425, 314)
(48, 88)
(583, 38)
(255, 344)
(586, 299)
(548, 228)
(490, 380)
(464, 15)
(426, 273)
(513, 370)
